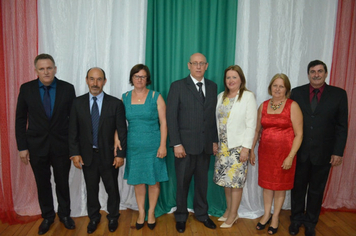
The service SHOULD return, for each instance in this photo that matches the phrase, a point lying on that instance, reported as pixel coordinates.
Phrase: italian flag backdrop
(264, 37)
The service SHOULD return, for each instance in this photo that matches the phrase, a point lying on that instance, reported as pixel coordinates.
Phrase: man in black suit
(193, 135)
(94, 118)
(44, 104)
(325, 115)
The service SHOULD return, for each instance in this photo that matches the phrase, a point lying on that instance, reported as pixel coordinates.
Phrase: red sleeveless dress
(275, 144)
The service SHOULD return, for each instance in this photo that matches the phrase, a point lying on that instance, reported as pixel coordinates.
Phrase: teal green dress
(143, 140)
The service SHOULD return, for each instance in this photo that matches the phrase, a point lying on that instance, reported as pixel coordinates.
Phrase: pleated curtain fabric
(208, 27)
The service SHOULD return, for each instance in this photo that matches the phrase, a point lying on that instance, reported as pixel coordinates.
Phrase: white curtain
(87, 33)
(280, 36)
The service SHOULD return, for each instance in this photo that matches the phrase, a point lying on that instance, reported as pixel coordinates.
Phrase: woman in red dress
(279, 130)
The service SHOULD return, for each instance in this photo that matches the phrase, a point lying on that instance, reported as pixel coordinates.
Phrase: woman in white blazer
(236, 116)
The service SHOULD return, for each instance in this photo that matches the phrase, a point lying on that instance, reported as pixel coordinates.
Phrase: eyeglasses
(198, 63)
(137, 77)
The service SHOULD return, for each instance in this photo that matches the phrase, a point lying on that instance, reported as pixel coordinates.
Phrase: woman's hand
(287, 163)
(162, 151)
(244, 154)
(252, 158)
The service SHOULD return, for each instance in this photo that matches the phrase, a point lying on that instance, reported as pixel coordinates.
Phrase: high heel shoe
(139, 226)
(273, 230)
(151, 226)
(222, 218)
(224, 225)
(260, 226)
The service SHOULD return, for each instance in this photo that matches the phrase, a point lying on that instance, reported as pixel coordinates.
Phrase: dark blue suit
(47, 142)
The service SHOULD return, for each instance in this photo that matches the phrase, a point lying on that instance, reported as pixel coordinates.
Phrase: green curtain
(175, 30)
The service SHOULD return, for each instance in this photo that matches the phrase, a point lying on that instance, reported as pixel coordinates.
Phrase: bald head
(197, 66)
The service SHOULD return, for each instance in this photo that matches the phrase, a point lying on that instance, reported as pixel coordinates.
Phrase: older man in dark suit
(192, 131)
(325, 115)
(44, 105)
(94, 118)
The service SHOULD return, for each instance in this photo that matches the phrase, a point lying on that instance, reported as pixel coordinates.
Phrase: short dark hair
(96, 68)
(286, 82)
(44, 56)
(315, 63)
(136, 69)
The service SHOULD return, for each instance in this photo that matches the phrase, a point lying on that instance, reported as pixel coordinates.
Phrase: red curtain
(340, 191)
(18, 46)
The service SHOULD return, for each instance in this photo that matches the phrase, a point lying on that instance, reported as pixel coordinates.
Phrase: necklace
(275, 107)
(142, 95)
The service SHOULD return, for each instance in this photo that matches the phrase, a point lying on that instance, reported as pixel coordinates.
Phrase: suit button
(311, 127)
(312, 116)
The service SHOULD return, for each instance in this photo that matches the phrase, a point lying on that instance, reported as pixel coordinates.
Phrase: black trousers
(41, 166)
(109, 175)
(310, 181)
(197, 165)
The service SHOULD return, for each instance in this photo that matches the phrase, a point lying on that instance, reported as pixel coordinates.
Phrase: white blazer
(241, 124)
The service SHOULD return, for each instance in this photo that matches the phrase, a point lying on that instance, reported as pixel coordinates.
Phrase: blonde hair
(285, 81)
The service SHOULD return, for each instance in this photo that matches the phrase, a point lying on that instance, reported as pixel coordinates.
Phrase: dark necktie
(200, 85)
(47, 101)
(314, 101)
(95, 121)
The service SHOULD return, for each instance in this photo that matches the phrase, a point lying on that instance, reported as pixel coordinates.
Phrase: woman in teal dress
(146, 142)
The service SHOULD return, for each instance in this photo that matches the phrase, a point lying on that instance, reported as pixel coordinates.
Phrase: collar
(195, 81)
(321, 89)
(99, 97)
(53, 84)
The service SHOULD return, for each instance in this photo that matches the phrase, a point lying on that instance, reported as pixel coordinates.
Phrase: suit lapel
(208, 90)
(306, 100)
(59, 97)
(87, 116)
(103, 111)
(192, 87)
(323, 99)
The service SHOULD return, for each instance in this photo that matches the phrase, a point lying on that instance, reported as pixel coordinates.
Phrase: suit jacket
(241, 124)
(43, 136)
(191, 122)
(112, 118)
(325, 129)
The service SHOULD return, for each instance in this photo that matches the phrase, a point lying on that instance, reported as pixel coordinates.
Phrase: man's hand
(117, 145)
(77, 161)
(335, 160)
(215, 148)
(24, 156)
(179, 151)
(118, 161)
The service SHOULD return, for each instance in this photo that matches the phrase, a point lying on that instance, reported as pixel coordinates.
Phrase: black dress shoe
(209, 224)
(151, 226)
(113, 224)
(180, 226)
(294, 228)
(93, 224)
(44, 226)
(309, 231)
(68, 222)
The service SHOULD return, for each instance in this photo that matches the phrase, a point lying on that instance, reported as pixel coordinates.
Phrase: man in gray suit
(192, 130)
